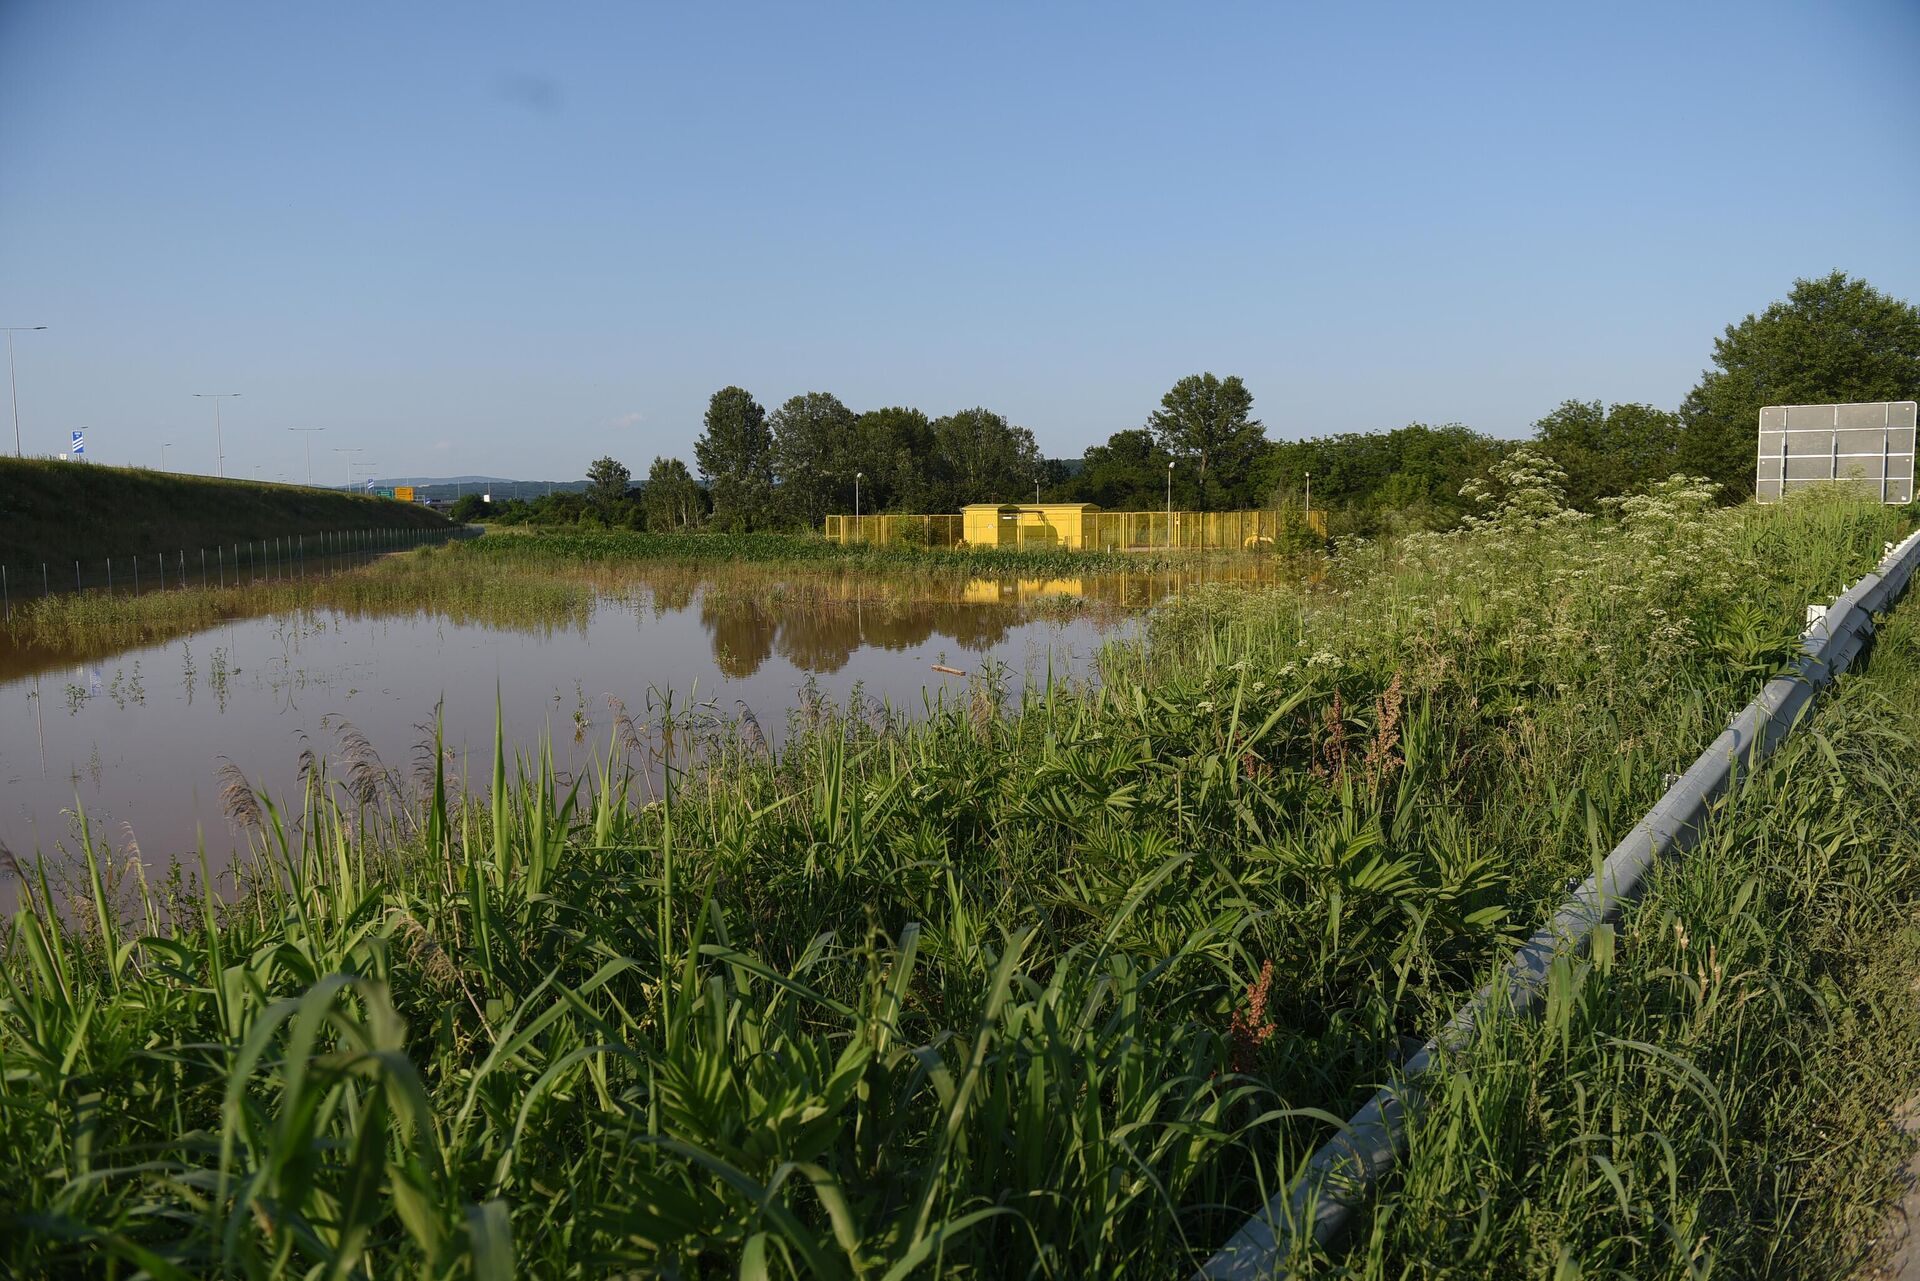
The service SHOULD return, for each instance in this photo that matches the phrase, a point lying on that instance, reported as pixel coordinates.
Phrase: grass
(1720, 1089)
(60, 512)
(1061, 985)
(808, 551)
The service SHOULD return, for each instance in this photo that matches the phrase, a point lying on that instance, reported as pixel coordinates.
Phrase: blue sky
(510, 238)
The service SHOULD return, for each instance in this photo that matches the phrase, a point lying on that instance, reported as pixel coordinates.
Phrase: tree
(813, 456)
(1834, 339)
(735, 455)
(468, 508)
(1129, 473)
(894, 448)
(672, 499)
(1609, 450)
(983, 459)
(1407, 478)
(1211, 420)
(607, 482)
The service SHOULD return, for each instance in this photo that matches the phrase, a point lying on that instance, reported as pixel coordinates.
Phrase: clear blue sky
(510, 238)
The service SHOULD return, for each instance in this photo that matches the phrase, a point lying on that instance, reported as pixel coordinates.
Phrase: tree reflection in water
(819, 624)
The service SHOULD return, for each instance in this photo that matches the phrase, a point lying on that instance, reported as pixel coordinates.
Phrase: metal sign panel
(1867, 445)
(79, 446)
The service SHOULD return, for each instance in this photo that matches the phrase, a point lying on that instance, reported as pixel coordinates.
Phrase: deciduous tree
(735, 455)
(1609, 450)
(984, 459)
(1129, 473)
(1836, 338)
(1210, 420)
(672, 498)
(894, 448)
(607, 482)
(814, 449)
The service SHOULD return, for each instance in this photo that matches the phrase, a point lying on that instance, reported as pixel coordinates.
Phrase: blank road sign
(1868, 446)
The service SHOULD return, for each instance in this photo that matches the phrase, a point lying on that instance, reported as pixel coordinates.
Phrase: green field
(59, 512)
(1056, 985)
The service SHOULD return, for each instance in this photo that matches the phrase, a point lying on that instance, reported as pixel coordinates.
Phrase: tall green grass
(1720, 1089)
(1061, 984)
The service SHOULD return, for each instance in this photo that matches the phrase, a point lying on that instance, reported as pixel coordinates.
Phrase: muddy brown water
(136, 739)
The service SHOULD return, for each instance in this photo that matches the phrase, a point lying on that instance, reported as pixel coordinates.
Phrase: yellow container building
(1022, 525)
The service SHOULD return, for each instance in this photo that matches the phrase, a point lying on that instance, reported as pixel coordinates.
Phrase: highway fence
(221, 565)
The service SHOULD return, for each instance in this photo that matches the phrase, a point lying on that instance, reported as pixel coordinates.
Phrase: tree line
(1834, 338)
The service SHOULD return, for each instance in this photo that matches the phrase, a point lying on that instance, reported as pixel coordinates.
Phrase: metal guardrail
(1341, 1175)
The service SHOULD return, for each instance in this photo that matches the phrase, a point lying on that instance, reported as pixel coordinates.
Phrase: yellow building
(1020, 525)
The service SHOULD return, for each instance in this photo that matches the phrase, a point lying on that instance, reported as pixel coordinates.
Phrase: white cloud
(632, 418)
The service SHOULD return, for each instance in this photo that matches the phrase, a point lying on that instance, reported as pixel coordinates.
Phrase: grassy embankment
(60, 512)
(1057, 988)
(1724, 1088)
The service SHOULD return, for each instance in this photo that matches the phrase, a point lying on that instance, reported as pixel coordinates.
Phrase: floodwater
(138, 738)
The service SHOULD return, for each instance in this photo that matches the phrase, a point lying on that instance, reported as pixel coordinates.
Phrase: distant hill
(60, 512)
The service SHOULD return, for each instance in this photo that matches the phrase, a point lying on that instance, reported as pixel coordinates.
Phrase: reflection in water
(824, 638)
(137, 738)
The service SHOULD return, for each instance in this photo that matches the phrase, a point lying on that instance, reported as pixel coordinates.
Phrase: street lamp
(219, 446)
(11, 383)
(341, 449)
(308, 436)
(1170, 463)
(164, 445)
(857, 478)
(1309, 476)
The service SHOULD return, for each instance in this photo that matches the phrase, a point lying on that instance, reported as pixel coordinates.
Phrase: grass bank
(60, 512)
(1055, 986)
(1721, 1088)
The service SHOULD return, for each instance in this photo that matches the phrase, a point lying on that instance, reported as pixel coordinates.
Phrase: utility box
(1023, 525)
(988, 524)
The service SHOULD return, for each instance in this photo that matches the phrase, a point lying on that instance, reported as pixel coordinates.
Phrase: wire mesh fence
(1040, 526)
(221, 565)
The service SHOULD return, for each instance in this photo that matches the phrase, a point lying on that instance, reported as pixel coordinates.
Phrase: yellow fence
(918, 531)
(1098, 530)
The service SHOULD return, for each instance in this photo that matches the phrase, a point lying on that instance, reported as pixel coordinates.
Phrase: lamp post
(1170, 463)
(163, 453)
(307, 434)
(219, 445)
(1309, 476)
(13, 385)
(340, 449)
